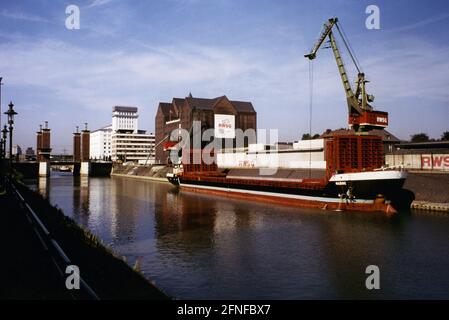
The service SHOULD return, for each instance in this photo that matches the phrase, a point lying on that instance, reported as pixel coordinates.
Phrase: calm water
(206, 247)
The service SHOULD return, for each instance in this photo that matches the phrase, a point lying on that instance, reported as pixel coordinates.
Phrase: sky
(139, 53)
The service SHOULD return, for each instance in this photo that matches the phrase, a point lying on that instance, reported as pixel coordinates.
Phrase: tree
(420, 137)
(306, 136)
(445, 136)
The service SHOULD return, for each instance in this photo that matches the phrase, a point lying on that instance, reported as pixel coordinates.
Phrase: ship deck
(280, 178)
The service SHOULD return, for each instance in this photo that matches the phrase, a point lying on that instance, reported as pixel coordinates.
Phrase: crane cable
(310, 114)
(348, 47)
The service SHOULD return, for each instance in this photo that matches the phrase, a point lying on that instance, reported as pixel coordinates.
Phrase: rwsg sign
(435, 161)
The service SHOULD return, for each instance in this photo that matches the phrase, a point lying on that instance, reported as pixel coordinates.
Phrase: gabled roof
(243, 106)
(178, 101)
(166, 108)
(208, 104)
(203, 104)
(386, 135)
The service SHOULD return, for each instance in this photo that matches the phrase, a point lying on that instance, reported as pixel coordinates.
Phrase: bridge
(79, 164)
(31, 169)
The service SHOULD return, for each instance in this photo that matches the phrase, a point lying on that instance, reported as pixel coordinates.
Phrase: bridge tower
(44, 150)
(85, 151)
(77, 146)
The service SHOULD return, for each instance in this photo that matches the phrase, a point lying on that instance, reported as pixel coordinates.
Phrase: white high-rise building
(125, 119)
(122, 140)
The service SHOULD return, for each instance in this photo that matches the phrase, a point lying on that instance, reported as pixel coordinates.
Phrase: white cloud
(410, 68)
(16, 15)
(98, 3)
(419, 24)
(97, 79)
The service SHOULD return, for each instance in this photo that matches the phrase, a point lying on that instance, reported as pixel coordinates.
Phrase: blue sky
(142, 52)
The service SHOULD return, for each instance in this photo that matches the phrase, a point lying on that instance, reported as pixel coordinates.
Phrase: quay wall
(98, 169)
(150, 172)
(430, 187)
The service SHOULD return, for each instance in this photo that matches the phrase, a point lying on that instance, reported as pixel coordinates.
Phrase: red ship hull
(325, 204)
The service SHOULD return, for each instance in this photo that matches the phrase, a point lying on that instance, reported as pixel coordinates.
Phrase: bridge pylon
(43, 141)
(85, 152)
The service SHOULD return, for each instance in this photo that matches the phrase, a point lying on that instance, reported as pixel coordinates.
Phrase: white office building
(122, 140)
(136, 147)
(101, 143)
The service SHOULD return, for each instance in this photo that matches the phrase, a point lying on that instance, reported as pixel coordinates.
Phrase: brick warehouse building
(181, 112)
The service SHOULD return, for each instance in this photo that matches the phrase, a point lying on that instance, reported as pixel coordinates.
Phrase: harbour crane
(361, 115)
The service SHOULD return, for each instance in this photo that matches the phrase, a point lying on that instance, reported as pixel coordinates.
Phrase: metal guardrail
(51, 245)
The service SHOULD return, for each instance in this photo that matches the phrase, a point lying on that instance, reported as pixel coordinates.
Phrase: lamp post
(10, 113)
(4, 135)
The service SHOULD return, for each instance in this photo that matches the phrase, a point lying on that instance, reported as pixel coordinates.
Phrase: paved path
(26, 269)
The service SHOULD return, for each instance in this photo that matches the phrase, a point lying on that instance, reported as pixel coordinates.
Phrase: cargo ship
(347, 174)
(336, 172)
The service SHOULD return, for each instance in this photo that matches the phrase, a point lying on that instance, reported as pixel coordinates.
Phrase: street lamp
(4, 135)
(10, 113)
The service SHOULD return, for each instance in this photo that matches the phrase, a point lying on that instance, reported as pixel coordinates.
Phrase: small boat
(65, 169)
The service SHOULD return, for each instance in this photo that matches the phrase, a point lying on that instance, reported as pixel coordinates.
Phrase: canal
(209, 247)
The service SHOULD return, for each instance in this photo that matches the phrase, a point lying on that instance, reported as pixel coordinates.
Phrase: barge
(347, 174)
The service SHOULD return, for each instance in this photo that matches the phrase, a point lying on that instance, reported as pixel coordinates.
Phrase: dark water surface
(206, 247)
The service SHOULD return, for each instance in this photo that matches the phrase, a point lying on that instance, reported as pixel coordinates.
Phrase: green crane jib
(361, 114)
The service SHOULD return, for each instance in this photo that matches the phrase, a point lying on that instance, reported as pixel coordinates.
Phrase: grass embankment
(108, 275)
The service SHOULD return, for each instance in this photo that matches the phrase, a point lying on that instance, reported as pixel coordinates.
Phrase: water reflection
(126, 206)
(202, 246)
(44, 186)
(81, 200)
